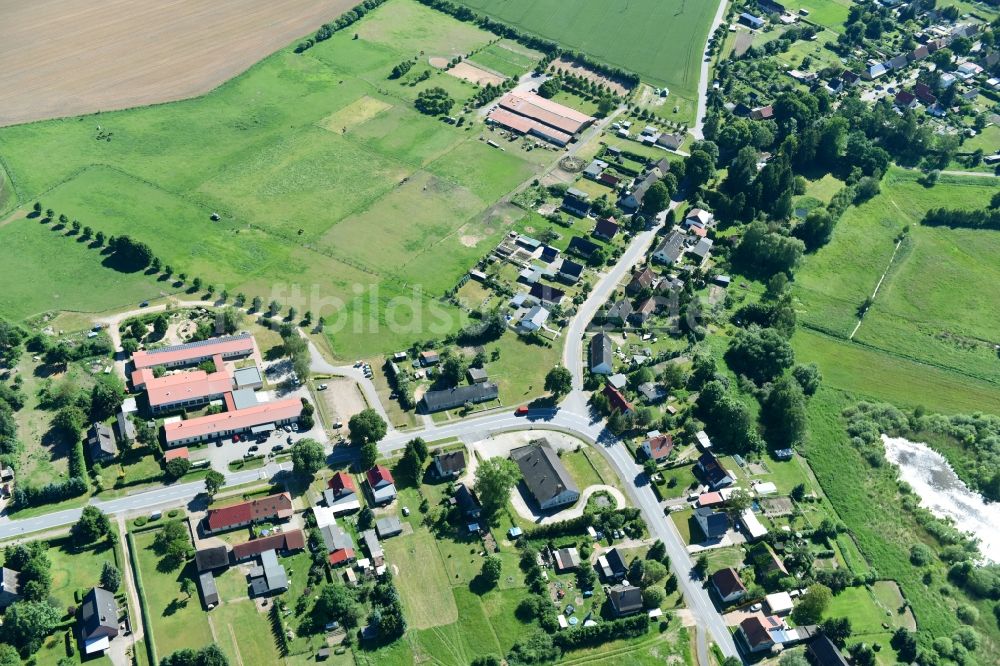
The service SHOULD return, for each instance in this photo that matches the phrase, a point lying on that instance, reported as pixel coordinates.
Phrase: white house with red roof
(382, 485)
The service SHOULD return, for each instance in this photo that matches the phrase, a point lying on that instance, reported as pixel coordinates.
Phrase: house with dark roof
(643, 312)
(712, 471)
(213, 557)
(582, 247)
(101, 442)
(576, 202)
(440, 400)
(625, 599)
(466, 501)
(126, 428)
(606, 228)
(651, 392)
(449, 465)
(751, 21)
(644, 279)
(98, 620)
(549, 254)
(755, 635)
(633, 200)
(702, 249)
(209, 591)
(374, 547)
(544, 475)
(10, 587)
(618, 312)
(272, 507)
(284, 542)
(905, 100)
(671, 248)
(566, 559)
(546, 294)
(728, 585)
(617, 400)
(570, 271)
(823, 652)
(670, 141)
(612, 565)
(713, 524)
(601, 356)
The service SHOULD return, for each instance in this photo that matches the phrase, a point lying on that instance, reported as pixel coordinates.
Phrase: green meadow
(325, 178)
(660, 40)
(929, 336)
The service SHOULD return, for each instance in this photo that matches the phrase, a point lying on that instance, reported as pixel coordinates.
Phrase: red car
(236, 438)
(521, 411)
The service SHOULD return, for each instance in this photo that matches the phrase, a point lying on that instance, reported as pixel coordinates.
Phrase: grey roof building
(10, 586)
(372, 544)
(388, 527)
(449, 464)
(209, 592)
(248, 377)
(126, 428)
(436, 401)
(544, 475)
(601, 358)
(625, 599)
(335, 538)
(467, 501)
(101, 442)
(98, 620)
(270, 577)
(212, 558)
(477, 375)
(619, 311)
(582, 247)
(671, 249)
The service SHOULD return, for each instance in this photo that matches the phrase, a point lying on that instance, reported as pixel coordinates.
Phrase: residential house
(651, 392)
(762, 113)
(752, 525)
(616, 400)
(698, 217)
(339, 544)
(449, 465)
(341, 494)
(779, 603)
(601, 356)
(576, 202)
(755, 634)
(632, 201)
(713, 524)
(211, 558)
(566, 559)
(429, 357)
(657, 446)
(670, 141)
(101, 443)
(549, 254)
(570, 271)
(618, 380)
(126, 428)
(606, 228)
(918, 53)
(625, 599)
(643, 312)
(702, 249)
(671, 248)
(374, 547)
(850, 78)
(269, 577)
(898, 62)
(728, 585)
(612, 565)
(823, 652)
(283, 542)
(381, 483)
(544, 475)
(389, 526)
(272, 507)
(641, 280)
(209, 591)
(594, 169)
(440, 400)
(713, 472)
(477, 375)
(546, 294)
(619, 312)
(10, 587)
(751, 21)
(466, 501)
(875, 70)
(534, 320)
(905, 100)
(924, 94)
(582, 247)
(98, 620)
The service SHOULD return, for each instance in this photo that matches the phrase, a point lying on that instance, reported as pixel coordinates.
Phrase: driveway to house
(524, 509)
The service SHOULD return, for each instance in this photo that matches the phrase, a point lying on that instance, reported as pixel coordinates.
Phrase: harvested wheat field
(67, 57)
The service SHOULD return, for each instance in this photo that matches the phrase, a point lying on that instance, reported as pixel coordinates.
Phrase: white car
(755, 607)
(321, 387)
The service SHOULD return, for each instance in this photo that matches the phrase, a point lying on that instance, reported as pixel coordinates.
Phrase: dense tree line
(326, 31)
(967, 219)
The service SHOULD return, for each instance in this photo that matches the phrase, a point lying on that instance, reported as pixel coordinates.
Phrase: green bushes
(602, 632)
(326, 31)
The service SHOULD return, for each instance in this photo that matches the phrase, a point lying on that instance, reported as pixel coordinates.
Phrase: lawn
(661, 40)
(422, 580)
(177, 620)
(244, 634)
(580, 469)
(506, 57)
(865, 611)
(830, 14)
(73, 277)
(76, 569)
(301, 189)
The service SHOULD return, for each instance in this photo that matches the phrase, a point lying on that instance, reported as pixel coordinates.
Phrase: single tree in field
(492, 566)
(37, 208)
(187, 586)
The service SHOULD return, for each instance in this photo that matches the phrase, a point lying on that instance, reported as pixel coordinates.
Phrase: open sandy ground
(69, 57)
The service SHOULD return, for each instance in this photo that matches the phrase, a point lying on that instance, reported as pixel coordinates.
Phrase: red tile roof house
(658, 447)
(755, 633)
(272, 507)
(617, 400)
(278, 412)
(382, 485)
(282, 542)
(342, 482)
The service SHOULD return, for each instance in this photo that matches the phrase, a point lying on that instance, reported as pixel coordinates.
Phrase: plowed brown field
(68, 57)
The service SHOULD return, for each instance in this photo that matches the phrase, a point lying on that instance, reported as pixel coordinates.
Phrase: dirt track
(68, 57)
